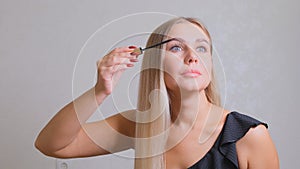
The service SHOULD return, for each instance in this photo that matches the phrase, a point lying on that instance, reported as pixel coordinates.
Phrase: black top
(223, 153)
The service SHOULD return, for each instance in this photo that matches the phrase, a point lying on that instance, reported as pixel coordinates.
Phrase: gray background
(257, 41)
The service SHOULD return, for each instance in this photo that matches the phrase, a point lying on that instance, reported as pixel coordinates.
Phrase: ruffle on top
(223, 153)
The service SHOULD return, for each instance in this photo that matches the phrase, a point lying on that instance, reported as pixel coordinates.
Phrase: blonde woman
(179, 122)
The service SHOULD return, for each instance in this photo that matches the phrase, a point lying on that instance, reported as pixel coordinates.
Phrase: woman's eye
(202, 49)
(175, 49)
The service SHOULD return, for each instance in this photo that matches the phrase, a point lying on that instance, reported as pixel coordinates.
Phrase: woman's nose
(191, 57)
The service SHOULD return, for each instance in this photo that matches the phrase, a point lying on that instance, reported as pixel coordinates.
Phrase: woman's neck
(188, 106)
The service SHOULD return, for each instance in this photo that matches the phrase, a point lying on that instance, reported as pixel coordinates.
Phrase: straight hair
(153, 116)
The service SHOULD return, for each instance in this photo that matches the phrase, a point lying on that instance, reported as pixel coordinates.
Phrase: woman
(179, 122)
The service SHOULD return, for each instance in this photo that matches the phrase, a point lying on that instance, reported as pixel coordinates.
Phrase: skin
(66, 135)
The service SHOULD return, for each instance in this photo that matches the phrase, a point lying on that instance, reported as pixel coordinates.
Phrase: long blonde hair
(153, 116)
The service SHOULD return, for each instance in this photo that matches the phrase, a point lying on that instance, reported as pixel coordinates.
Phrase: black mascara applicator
(140, 50)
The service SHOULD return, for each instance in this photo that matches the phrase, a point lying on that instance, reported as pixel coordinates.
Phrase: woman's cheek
(206, 65)
(209, 73)
(171, 65)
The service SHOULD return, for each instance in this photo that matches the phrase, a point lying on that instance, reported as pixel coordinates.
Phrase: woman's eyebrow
(197, 40)
(179, 40)
(202, 40)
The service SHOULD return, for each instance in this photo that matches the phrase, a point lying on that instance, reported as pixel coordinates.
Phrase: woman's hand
(111, 67)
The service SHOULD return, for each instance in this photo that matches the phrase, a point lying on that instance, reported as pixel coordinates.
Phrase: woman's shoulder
(256, 146)
(248, 128)
(237, 125)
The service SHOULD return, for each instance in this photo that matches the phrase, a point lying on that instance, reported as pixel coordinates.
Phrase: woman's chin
(191, 88)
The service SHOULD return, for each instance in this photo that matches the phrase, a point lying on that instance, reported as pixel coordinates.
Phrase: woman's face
(187, 61)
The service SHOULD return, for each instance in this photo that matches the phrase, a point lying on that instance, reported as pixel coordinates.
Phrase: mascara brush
(140, 50)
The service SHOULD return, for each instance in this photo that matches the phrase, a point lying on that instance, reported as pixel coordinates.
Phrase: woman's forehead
(188, 32)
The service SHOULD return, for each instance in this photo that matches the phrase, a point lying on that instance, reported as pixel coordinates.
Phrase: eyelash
(205, 49)
(180, 46)
(177, 45)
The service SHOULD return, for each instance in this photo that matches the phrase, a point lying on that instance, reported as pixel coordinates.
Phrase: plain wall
(40, 41)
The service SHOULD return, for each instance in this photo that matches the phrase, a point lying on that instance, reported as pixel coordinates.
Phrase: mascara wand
(140, 50)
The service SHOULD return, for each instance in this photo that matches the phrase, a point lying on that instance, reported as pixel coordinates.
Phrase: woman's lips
(192, 73)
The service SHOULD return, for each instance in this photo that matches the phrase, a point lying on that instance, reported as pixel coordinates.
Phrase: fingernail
(132, 47)
(134, 60)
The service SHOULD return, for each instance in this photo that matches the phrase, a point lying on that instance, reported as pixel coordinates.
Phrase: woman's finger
(120, 67)
(118, 59)
(122, 49)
